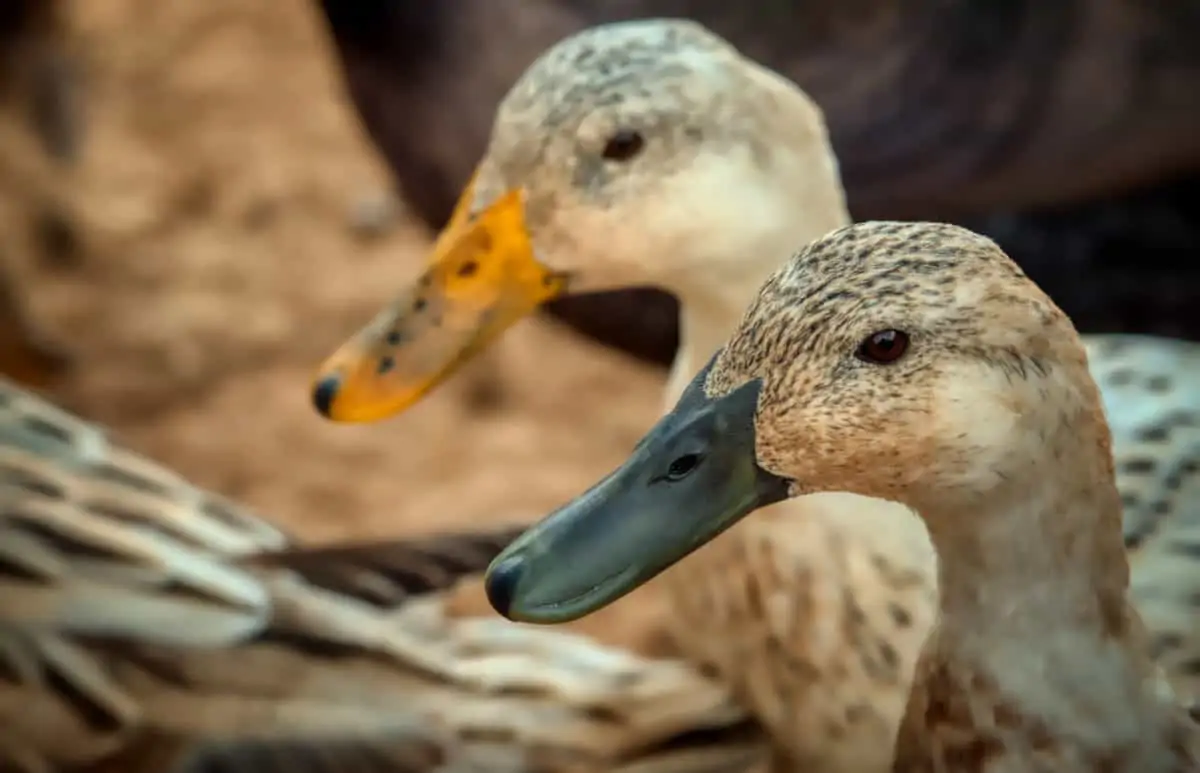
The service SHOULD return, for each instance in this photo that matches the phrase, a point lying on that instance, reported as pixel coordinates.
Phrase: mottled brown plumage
(1152, 400)
(991, 428)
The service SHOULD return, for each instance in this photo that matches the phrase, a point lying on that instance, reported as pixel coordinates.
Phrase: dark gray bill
(693, 476)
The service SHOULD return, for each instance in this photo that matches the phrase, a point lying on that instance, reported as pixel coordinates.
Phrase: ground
(221, 167)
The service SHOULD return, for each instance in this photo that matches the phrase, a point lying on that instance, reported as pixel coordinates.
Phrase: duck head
(903, 361)
(646, 153)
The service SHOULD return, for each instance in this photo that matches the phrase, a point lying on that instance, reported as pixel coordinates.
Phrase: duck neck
(802, 200)
(1034, 554)
(705, 320)
(1034, 625)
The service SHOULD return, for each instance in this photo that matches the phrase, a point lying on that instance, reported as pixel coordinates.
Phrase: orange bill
(482, 279)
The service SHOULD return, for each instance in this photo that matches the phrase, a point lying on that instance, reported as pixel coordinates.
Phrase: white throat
(712, 307)
(1033, 581)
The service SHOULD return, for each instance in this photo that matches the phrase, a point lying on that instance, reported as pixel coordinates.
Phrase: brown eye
(624, 145)
(883, 347)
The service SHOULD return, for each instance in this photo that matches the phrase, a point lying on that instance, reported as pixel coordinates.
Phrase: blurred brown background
(216, 193)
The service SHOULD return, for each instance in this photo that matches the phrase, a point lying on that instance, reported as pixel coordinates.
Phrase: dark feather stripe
(384, 574)
(335, 755)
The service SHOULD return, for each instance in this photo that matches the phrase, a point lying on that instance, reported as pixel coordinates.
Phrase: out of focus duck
(147, 625)
(1069, 132)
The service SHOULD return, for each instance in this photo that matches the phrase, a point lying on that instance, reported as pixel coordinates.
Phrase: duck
(653, 153)
(915, 363)
(148, 626)
(1157, 449)
(970, 112)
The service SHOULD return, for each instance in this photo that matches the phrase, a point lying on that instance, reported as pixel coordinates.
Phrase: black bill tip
(324, 393)
(501, 581)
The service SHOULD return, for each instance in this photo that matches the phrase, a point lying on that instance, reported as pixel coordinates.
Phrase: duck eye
(624, 145)
(682, 466)
(883, 347)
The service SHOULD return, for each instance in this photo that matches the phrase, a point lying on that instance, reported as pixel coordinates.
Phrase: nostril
(501, 584)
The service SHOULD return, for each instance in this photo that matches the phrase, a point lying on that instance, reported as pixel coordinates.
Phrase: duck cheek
(874, 459)
(598, 254)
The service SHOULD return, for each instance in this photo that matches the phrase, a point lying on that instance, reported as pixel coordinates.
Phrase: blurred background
(194, 213)
(218, 201)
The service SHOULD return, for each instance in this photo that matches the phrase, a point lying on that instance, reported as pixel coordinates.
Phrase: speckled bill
(482, 278)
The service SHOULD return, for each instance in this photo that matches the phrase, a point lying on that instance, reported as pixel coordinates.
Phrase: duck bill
(482, 278)
(643, 517)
